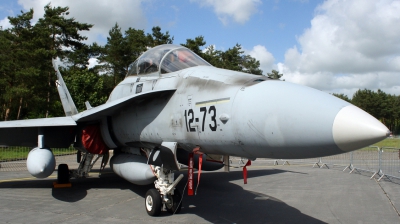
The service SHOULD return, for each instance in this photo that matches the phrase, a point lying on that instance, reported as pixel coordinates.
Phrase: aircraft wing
(41, 122)
(113, 106)
(58, 131)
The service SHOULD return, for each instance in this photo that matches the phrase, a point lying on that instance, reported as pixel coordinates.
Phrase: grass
(389, 142)
(386, 143)
(21, 153)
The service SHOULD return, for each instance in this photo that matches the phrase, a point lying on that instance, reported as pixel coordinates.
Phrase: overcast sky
(336, 46)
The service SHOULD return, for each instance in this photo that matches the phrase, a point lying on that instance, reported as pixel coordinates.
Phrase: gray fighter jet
(171, 103)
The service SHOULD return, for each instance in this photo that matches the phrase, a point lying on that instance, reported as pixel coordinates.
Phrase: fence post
(317, 163)
(351, 158)
(285, 162)
(320, 164)
(380, 164)
(380, 160)
(379, 172)
(350, 166)
(323, 164)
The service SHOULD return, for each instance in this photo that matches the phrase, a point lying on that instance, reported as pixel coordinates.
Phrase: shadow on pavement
(218, 200)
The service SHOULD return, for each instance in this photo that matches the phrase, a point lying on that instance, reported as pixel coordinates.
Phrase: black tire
(153, 202)
(63, 174)
(175, 206)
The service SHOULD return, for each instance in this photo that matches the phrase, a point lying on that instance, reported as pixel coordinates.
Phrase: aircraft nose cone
(354, 128)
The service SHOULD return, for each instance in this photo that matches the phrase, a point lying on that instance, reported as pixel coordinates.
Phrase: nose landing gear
(164, 193)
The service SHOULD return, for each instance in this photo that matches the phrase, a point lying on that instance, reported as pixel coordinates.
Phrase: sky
(336, 46)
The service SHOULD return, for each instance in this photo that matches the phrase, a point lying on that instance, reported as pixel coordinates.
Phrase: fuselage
(233, 113)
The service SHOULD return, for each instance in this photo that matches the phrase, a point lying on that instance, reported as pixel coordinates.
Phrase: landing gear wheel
(153, 202)
(175, 204)
(63, 174)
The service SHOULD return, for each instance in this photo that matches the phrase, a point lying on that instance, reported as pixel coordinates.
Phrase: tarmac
(273, 194)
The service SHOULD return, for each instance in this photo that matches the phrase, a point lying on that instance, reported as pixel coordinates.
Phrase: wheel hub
(170, 202)
(149, 203)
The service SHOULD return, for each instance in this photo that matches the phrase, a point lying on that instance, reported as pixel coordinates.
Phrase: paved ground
(274, 194)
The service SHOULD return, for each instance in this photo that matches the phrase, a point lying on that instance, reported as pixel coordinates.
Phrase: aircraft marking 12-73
(172, 103)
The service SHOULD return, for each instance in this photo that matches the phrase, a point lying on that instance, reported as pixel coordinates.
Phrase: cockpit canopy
(165, 59)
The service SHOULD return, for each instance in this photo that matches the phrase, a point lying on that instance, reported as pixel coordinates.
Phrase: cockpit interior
(165, 59)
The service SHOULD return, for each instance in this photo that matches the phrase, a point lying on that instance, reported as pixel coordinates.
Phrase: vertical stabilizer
(66, 99)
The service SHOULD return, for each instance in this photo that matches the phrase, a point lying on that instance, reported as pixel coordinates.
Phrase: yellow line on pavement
(276, 166)
(22, 179)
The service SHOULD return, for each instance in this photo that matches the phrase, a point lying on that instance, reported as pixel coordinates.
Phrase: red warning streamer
(190, 175)
(198, 175)
(197, 151)
(245, 171)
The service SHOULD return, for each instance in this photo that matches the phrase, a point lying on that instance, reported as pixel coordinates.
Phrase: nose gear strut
(164, 162)
(164, 193)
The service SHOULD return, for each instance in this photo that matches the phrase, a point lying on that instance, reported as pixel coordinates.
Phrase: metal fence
(14, 158)
(378, 162)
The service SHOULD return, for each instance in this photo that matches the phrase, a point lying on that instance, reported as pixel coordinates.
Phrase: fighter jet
(173, 103)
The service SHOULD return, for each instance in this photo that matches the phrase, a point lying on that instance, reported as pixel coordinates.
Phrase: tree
(251, 65)
(381, 105)
(79, 58)
(57, 36)
(194, 45)
(136, 42)
(274, 75)
(27, 73)
(342, 96)
(85, 85)
(158, 38)
(395, 103)
(212, 56)
(18, 65)
(121, 50)
(231, 59)
(113, 57)
(368, 101)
